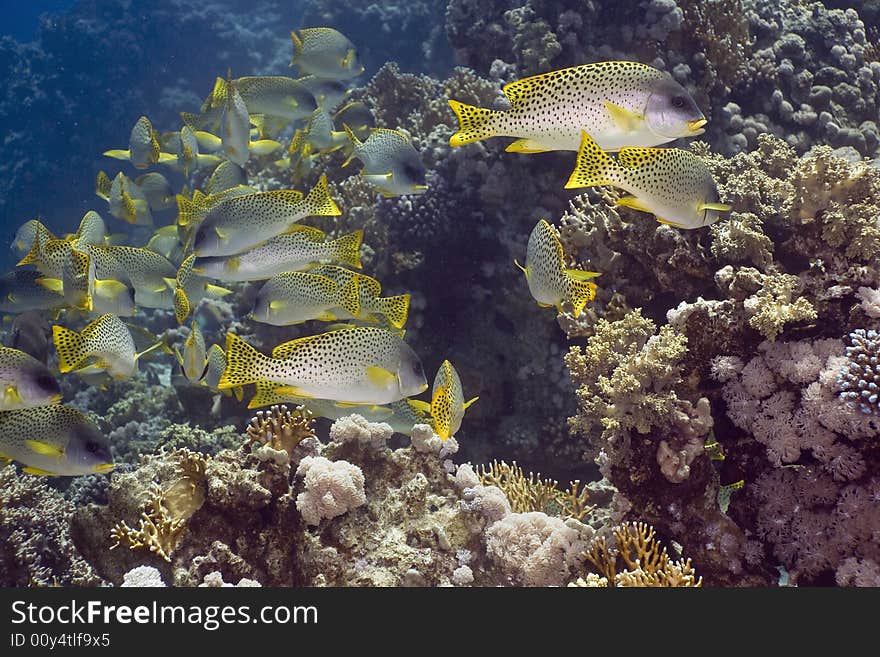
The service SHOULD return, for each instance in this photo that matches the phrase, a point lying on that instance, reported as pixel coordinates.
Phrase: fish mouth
(104, 467)
(696, 127)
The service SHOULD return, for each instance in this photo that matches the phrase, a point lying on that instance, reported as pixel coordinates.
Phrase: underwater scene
(468, 293)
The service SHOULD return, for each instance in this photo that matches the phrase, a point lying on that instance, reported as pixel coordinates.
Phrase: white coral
(355, 428)
(331, 488)
(142, 577)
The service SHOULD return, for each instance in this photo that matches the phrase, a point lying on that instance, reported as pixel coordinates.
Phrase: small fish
(327, 93)
(25, 381)
(144, 270)
(321, 135)
(276, 96)
(28, 232)
(360, 365)
(32, 334)
(620, 103)
(372, 305)
(54, 440)
(226, 176)
(447, 401)
(325, 53)
(391, 164)
(104, 345)
(550, 283)
(672, 184)
(216, 366)
(297, 250)
(294, 297)
(128, 202)
(193, 361)
(156, 190)
(357, 117)
(235, 125)
(92, 230)
(143, 146)
(22, 290)
(190, 287)
(241, 222)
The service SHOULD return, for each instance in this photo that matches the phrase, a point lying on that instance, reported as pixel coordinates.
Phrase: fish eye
(678, 101)
(93, 447)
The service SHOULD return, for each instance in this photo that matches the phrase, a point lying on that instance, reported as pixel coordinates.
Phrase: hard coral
(533, 493)
(281, 428)
(331, 488)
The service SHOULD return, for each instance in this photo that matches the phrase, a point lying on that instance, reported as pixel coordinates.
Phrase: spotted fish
(294, 297)
(25, 381)
(672, 184)
(447, 401)
(620, 103)
(550, 283)
(359, 365)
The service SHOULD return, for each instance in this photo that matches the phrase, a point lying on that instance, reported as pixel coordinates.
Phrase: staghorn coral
(533, 493)
(637, 559)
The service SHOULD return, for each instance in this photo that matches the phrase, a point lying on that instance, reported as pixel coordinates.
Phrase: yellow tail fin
(242, 363)
(69, 345)
(182, 306)
(441, 413)
(473, 123)
(581, 293)
(102, 186)
(319, 202)
(395, 309)
(594, 166)
(347, 249)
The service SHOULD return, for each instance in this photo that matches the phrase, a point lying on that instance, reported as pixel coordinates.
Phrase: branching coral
(533, 493)
(637, 559)
(281, 428)
(166, 512)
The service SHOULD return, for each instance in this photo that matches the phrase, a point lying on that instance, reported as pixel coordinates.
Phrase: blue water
(21, 18)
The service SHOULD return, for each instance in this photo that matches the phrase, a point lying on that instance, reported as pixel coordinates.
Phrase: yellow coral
(645, 561)
(280, 428)
(532, 493)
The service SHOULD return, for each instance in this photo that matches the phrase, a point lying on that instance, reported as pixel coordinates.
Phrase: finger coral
(331, 488)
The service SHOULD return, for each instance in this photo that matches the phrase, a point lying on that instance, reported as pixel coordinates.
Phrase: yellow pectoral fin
(633, 203)
(674, 224)
(625, 119)
(118, 154)
(581, 275)
(420, 405)
(343, 404)
(277, 305)
(380, 376)
(11, 394)
(293, 391)
(524, 269)
(526, 146)
(51, 284)
(469, 402)
(38, 472)
(215, 291)
(45, 449)
(222, 234)
(720, 207)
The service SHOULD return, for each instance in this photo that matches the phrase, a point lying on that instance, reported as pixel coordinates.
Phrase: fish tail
(581, 292)
(318, 201)
(69, 345)
(182, 306)
(102, 186)
(35, 255)
(297, 47)
(347, 249)
(350, 298)
(187, 210)
(474, 123)
(441, 413)
(594, 166)
(395, 309)
(242, 363)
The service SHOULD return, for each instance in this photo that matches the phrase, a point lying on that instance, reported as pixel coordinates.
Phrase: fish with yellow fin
(193, 359)
(190, 287)
(143, 146)
(620, 103)
(28, 232)
(103, 346)
(25, 381)
(391, 163)
(238, 223)
(300, 249)
(360, 365)
(214, 370)
(328, 93)
(22, 290)
(372, 306)
(447, 401)
(325, 53)
(672, 184)
(54, 440)
(550, 282)
(294, 297)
